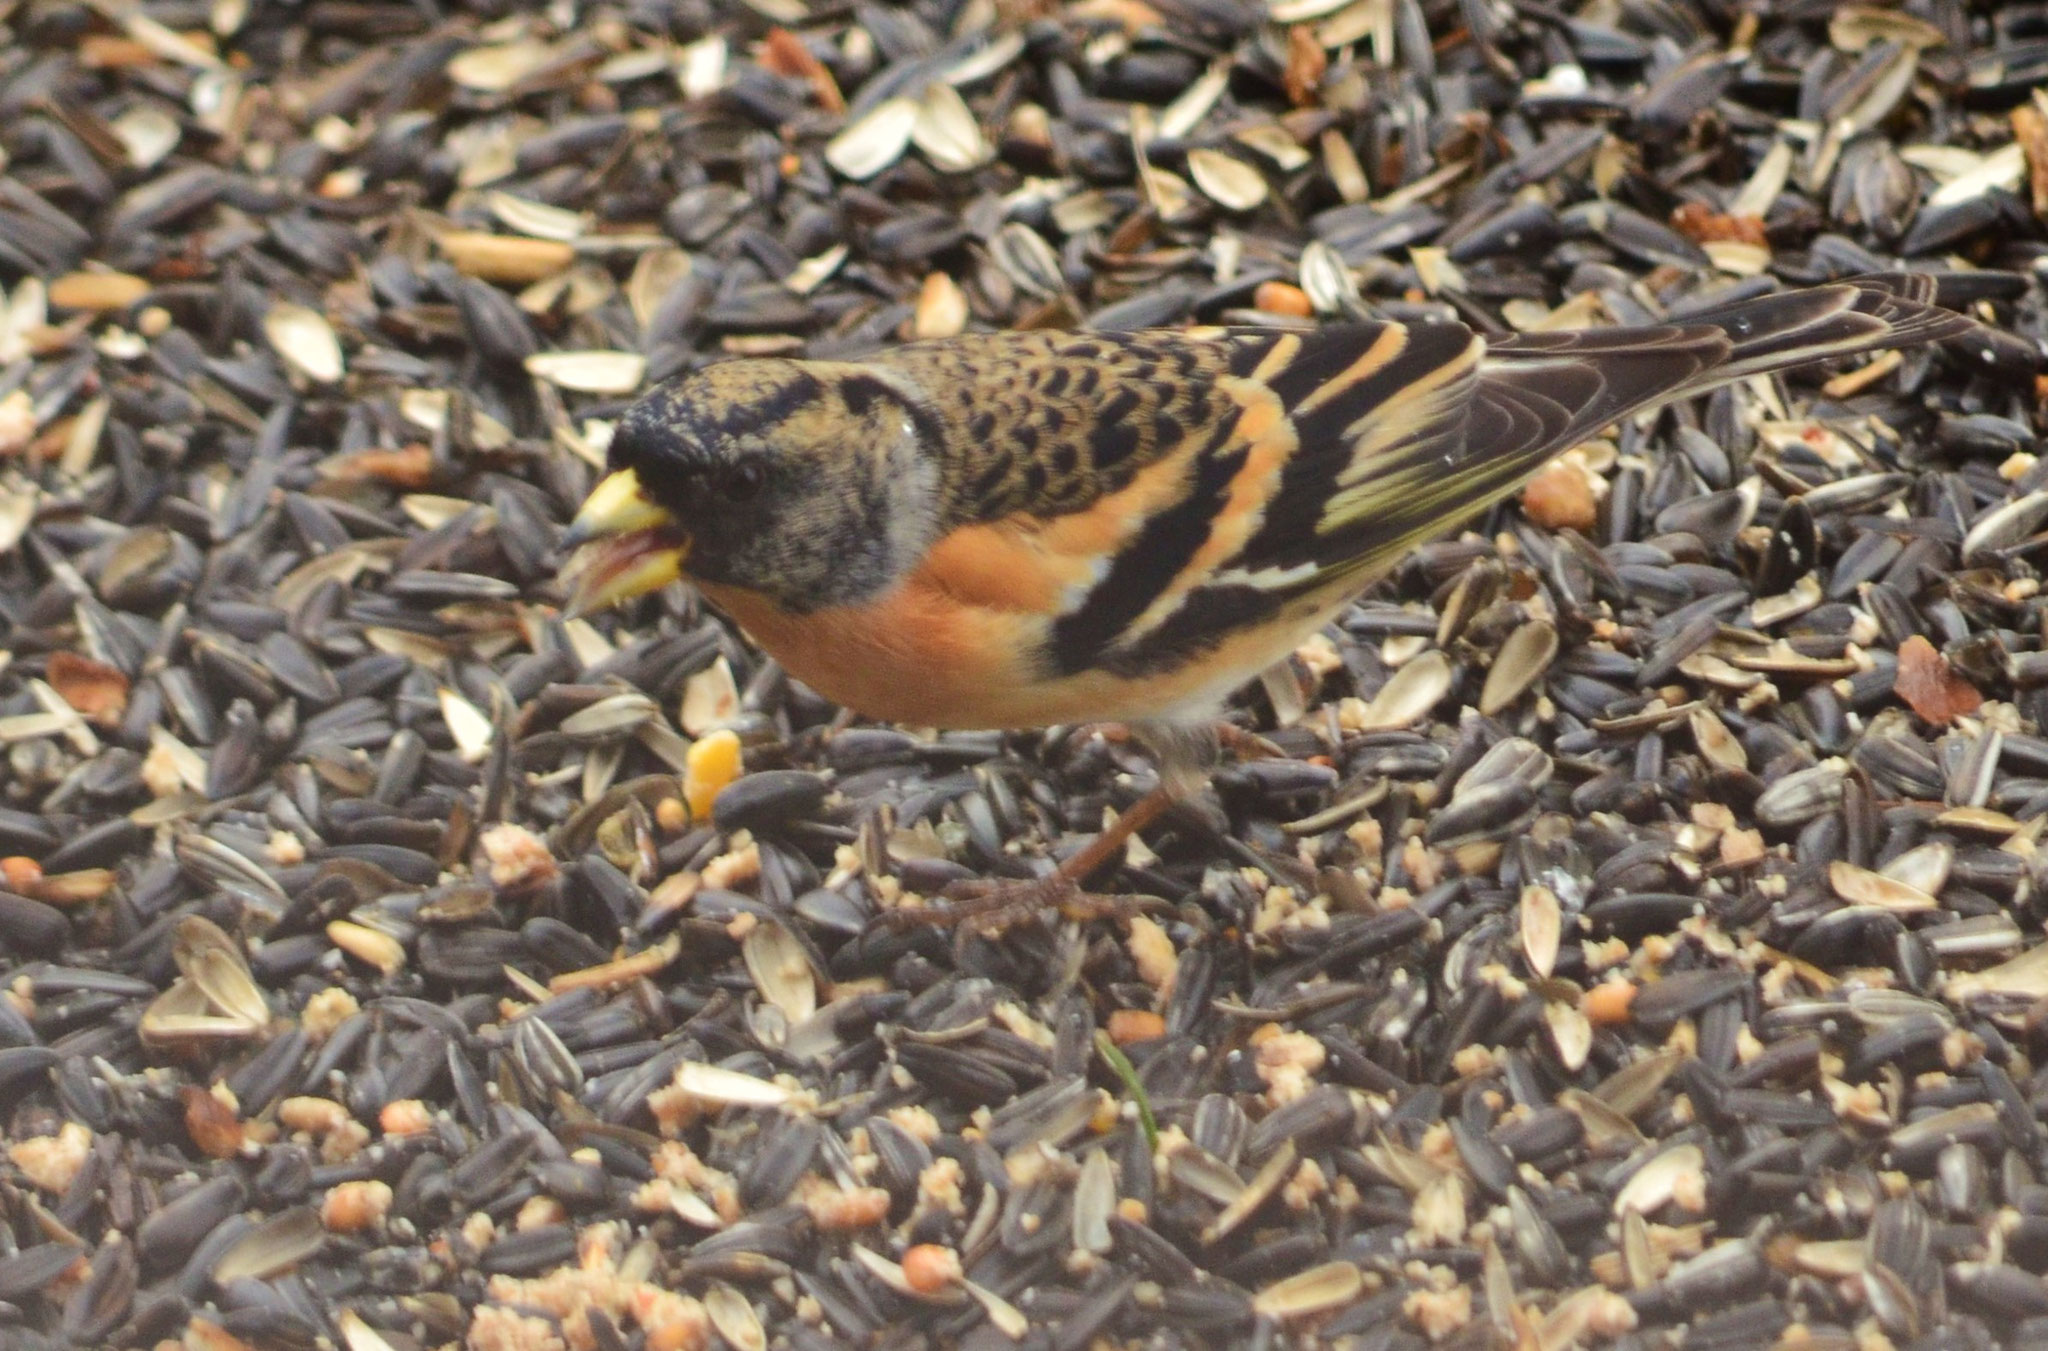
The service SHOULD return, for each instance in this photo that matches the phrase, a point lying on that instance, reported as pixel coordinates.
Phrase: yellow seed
(1106, 1115)
(714, 762)
(369, 945)
(351, 1207)
(407, 1116)
(671, 815)
(505, 258)
(97, 290)
(941, 308)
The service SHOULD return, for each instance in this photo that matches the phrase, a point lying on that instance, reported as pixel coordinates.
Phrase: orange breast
(917, 656)
(925, 658)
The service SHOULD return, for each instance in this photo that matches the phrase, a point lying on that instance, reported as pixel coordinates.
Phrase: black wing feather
(1391, 452)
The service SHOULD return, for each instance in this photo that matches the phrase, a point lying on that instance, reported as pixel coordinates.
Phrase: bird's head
(806, 482)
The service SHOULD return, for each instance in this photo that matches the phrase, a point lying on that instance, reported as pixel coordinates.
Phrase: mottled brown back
(1047, 422)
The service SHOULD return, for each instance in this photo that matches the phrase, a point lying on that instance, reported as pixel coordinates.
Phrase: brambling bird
(1021, 530)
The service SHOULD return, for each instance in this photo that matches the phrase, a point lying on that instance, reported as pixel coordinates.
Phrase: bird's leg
(1245, 745)
(1184, 756)
(1110, 843)
(994, 906)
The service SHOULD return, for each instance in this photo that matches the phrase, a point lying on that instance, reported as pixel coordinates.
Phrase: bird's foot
(989, 907)
(993, 906)
(1240, 741)
(1246, 744)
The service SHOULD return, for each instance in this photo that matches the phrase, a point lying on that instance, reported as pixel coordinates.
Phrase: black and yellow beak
(629, 545)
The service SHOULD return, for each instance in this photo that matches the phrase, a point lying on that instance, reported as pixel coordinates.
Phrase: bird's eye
(742, 480)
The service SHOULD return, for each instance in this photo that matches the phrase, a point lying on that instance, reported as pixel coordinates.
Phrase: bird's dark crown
(710, 439)
(780, 472)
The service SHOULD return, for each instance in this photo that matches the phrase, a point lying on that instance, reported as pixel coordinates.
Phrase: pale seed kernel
(479, 1230)
(1472, 1060)
(17, 421)
(314, 1116)
(1014, 1017)
(1713, 816)
(538, 1212)
(836, 1210)
(674, 1109)
(494, 1329)
(1740, 847)
(1437, 1143)
(1106, 1115)
(286, 850)
(939, 1187)
(1320, 655)
(372, 947)
(917, 1122)
(674, 1159)
(352, 1207)
(671, 815)
(1025, 1166)
(1439, 1313)
(942, 310)
(52, 1161)
(733, 868)
(407, 1116)
(325, 1011)
(516, 857)
(1369, 837)
(1307, 1184)
(671, 1321)
(725, 1200)
(1287, 1062)
(1152, 953)
(1605, 954)
(160, 773)
(673, 892)
(1422, 863)
(203, 1334)
(345, 1143)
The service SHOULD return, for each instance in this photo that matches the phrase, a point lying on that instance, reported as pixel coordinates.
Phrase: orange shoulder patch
(996, 567)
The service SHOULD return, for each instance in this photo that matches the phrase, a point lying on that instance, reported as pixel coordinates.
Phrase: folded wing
(1351, 445)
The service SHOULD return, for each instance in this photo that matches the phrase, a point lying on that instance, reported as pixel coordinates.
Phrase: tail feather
(1394, 455)
(1539, 394)
(1601, 375)
(1794, 328)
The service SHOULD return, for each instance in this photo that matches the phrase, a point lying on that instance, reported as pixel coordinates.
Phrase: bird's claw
(990, 907)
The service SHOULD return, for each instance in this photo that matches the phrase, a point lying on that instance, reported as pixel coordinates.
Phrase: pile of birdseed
(1637, 944)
